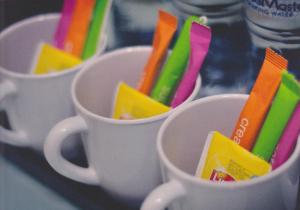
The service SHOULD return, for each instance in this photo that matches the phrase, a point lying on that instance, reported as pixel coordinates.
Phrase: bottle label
(275, 8)
(274, 14)
(209, 2)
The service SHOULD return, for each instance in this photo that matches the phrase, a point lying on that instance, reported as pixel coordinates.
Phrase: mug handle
(17, 138)
(162, 196)
(52, 151)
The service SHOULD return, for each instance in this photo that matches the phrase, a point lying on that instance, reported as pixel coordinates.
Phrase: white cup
(121, 153)
(34, 103)
(180, 141)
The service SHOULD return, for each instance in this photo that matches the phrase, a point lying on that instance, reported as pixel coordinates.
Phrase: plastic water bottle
(275, 24)
(226, 68)
(134, 21)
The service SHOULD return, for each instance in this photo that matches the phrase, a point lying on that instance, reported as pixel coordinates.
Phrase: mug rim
(207, 183)
(110, 55)
(37, 18)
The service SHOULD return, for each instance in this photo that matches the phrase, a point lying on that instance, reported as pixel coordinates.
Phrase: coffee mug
(33, 103)
(121, 153)
(180, 142)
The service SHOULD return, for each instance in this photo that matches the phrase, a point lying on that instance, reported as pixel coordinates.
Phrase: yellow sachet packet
(131, 104)
(50, 59)
(224, 160)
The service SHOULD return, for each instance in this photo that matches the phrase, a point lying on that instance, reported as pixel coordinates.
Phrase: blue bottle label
(274, 14)
(275, 8)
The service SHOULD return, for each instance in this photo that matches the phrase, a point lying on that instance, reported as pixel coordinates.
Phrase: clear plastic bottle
(226, 68)
(134, 21)
(275, 24)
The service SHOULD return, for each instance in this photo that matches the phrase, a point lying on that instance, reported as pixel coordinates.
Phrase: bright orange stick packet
(260, 99)
(165, 29)
(79, 26)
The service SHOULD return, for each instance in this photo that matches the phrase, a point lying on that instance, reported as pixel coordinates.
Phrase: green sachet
(281, 110)
(175, 65)
(96, 26)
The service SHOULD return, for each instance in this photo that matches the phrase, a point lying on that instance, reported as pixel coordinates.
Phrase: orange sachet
(165, 29)
(254, 111)
(79, 26)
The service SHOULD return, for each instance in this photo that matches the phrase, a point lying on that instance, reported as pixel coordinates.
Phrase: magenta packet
(288, 140)
(200, 38)
(63, 24)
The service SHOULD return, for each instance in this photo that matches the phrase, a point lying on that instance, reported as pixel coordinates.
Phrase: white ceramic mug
(34, 103)
(180, 141)
(121, 153)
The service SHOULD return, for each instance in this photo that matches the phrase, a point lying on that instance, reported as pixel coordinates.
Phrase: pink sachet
(200, 38)
(63, 24)
(288, 140)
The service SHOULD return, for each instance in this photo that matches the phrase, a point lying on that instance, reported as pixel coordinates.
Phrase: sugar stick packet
(284, 103)
(63, 24)
(79, 25)
(288, 140)
(175, 65)
(49, 59)
(165, 29)
(100, 14)
(200, 40)
(224, 160)
(259, 101)
(131, 104)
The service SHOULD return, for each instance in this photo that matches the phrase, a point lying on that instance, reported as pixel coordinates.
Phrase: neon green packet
(175, 65)
(282, 108)
(96, 27)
